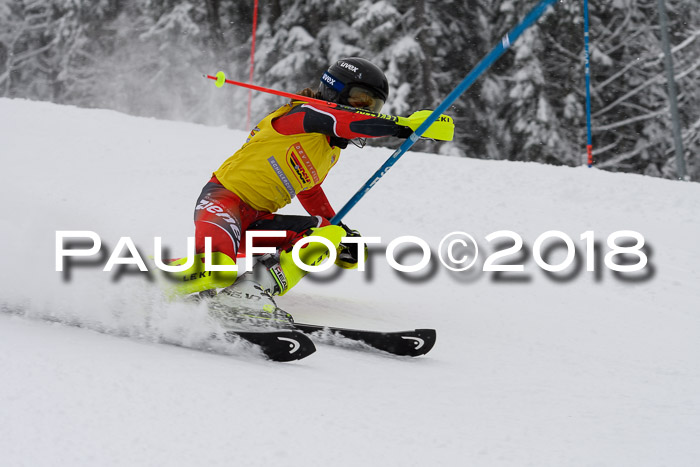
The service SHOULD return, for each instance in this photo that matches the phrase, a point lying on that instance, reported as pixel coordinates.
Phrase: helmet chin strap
(359, 142)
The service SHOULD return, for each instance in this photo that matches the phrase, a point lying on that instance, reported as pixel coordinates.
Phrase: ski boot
(246, 304)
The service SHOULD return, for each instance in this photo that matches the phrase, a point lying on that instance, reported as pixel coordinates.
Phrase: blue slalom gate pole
(589, 141)
(480, 68)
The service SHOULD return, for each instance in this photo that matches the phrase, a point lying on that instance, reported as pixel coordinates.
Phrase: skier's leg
(278, 273)
(250, 299)
(218, 215)
(292, 226)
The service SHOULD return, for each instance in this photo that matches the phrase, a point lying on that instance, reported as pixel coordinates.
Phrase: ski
(411, 343)
(278, 345)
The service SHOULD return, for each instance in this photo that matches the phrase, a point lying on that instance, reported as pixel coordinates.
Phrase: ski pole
(220, 79)
(442, 129)
(480, 68)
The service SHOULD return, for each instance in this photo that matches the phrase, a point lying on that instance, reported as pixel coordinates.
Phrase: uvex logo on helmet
(348, 73)
(350, 67)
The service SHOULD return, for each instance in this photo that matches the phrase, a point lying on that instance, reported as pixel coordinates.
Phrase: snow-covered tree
(146, 57)
(631, 122)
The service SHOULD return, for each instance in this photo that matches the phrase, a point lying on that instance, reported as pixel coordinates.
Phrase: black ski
(405, 343)
(279, 346)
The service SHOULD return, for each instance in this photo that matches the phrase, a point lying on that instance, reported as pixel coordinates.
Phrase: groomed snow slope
(588, 371)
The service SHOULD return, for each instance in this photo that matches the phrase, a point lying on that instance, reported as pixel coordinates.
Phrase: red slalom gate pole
(252, 62)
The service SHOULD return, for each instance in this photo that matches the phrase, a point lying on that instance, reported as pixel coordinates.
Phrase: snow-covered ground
(592, 370)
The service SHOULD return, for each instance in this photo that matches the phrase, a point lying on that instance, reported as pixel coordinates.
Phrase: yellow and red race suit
(291, 151)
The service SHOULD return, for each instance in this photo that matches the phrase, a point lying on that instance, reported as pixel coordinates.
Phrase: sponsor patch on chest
(301, 165)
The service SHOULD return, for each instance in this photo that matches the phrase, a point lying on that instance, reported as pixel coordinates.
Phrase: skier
(288, 154)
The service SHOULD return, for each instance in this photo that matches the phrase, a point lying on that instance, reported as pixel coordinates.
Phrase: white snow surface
(591, 371)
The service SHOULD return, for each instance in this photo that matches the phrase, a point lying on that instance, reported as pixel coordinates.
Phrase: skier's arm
(333, 122)
(316, 203)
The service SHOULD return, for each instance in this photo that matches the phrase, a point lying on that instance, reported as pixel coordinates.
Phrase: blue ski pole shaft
(480, 68)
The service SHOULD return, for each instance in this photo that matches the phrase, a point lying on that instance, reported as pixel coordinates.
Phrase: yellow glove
(442, 129)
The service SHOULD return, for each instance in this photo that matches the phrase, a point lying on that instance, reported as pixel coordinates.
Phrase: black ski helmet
(347, 73)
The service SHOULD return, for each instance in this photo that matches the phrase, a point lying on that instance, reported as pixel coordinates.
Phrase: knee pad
(195, 278)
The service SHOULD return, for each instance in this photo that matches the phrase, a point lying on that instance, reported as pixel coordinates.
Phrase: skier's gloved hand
(442, 129)
(403, 132)
(348, 253)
